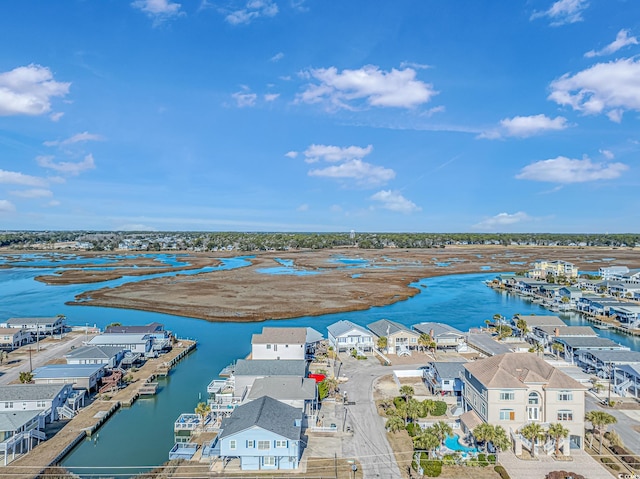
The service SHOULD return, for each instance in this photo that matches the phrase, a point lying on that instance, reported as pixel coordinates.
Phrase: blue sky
(319, 115)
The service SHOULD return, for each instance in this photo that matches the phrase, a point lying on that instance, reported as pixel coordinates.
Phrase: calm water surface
(141, 436)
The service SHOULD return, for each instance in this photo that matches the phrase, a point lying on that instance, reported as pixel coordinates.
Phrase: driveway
(624, 427)
(582, 464)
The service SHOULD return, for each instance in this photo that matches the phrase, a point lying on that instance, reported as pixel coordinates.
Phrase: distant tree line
(258, 241)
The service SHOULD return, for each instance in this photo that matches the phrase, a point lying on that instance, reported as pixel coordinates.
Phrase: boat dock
(91, 418)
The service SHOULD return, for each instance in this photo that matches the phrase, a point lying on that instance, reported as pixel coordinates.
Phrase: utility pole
(38, 337)
(30, 363)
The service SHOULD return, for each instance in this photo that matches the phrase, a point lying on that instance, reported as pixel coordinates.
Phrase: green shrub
(398, 401)
(482, 460)
(610, 463)
(491, 458)
(432, 468)
(449, 460)
(440, 409)
(502, 472)
(413, 429)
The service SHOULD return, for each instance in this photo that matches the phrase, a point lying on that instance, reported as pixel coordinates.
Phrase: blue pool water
(453, 443)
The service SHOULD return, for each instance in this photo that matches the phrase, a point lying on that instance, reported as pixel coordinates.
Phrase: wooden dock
(148, 389)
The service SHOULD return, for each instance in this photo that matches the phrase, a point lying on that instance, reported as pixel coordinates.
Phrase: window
(565, 415)
(251, 444)
(281, 444)
(286, 345)
(414, 340)
(275, 347)
(507, 415)
(264, 445)
(232, 444)
(534, 398)
(507, 395)
(269, 461)
(565, 396)
(483, 410)
(268, 346)
(41, 404)
(8, 405)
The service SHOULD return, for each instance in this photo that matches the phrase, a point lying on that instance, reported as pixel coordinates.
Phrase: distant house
(13, 338)
(545, 334)
(161, 339)
(445, 336)
(136, 343)
(34, 397)
(612, 273)
(80, 376)
(264, 434)
(279, 343)
(37, 326)
(535, 320)
(400, 339)
(574, 346)
(628, 315)
(246, 372)
(345, 336)
(556, 269)
(445, 377)
(602, 362)
(109, 356)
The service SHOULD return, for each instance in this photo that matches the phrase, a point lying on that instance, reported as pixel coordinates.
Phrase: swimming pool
(453, 443)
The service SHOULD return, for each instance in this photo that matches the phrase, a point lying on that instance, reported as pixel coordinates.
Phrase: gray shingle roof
(67, 371)
(144, 329)
(617, 355)
(344, 326)
(541, 320)
(589, 342)
(486, 344)
(439, 329)
(289, 388)
(94, 352)
(265, 413)
(448, 369)
(12, 421)
(20, 321)
(280, 336)
(29, 392)
(385, 327)
(568, 330)
(269, 367)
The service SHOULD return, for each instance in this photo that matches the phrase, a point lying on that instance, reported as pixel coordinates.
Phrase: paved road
(49, 349)
(624, 425)
(369, 443)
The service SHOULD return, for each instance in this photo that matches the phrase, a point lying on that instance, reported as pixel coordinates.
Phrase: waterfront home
(573, 346)
(20, 431)
(626, 380)
(345, 336)
(612, 273)
(161, 339)
(295, 391)
(34, 397)
(628, 315)
(136, 343)
(444, 377)
(621, 289)
(569, 295)
(13, 338)
(247, 371)
(556, 269)
(514, 389)
(264, 434)
(528, 286)
(545, 334)
(279, 343)
(485, 344)
(400, 339)
(596, 305)
(37, 326)
(602, 362)
(445, 336)
(109, 356)
(541, 320)
(80, 376)
(587, 285)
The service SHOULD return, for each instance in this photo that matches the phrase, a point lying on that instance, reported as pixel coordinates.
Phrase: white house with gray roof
(292, 390)
(20, 431)
(400, 338)
(345, 336)
(626, 380)
(264, 434)
(13, 338)
(574, 346)
(246, 371)
(602, 362)
(37, 326)
(445, 336)
(109, 356)
(80, 376)
(136, 343)
(45, 398)
(279, 343)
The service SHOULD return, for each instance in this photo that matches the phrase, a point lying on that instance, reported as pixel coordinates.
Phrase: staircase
(622, 387)
(65, 412)
(110, 383)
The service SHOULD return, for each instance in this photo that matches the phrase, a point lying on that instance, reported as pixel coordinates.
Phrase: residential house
(109, 356)
(485, 344)
(444, 377)
(514, 389)
(161, 338)
(37, 326)
(602, 362)
(136, 343)
(279, 343)
(628, 315)
(595, 305)
(542, 320)
(556, 269)
(13, 338)
(297, 392)
(264, 434)
(574, 346)
(19, 432)
(400, 339)
(545, 334)
(569, 295)
(81, 376)
(612, 273)
(445, 336)
(34, 397)
(247, 371)
(345, 336)
(626, 380)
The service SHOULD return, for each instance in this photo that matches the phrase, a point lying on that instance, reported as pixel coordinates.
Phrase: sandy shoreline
(383, 277)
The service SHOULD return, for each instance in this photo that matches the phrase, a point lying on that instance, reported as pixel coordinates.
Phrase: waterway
(140, 437)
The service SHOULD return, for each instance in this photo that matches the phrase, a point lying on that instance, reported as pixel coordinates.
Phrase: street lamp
(354, 468)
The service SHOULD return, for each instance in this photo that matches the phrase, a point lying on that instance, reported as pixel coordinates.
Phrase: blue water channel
(140, 437)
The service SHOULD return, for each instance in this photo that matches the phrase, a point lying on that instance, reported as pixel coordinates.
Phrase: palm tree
(382, 342)
(557, 348)
(395, 424)
(532, 431)
(537, 348)
(521, 324)
(442, 430)
(426, 440)
(428, 407)
(26, 377)
(331, 384)
(407, 392)
(500, 439)
(484, 433)
(433, 347)
(413, 409)
(600, 421)
(202, 410)
(424, 340)
(557, 431)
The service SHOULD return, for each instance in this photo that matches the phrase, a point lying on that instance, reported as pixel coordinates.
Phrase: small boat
(602, 326)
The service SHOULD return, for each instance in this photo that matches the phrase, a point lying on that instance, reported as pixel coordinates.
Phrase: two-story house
(445, 336)
(12, 338)
(400, 339)
(109, 356)
(345, 336)
(279, 343)
(37, 326)
(514, 389)
(34, 397)
(444, 377)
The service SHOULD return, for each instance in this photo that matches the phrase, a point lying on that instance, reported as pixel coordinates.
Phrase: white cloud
(29, 90)
(277, 57)
(563, 12)
(56, 116)
(33, 193)
(68, 167)
(335, 209)
(622, 40)
(525, 126)
(17, 178)
(254, 9)
(335, 153)
(158, 10)
(364, 173)
(394, 201)
(291, 154)
(6, 206)
(608, 154)
(77, 138)
(269, 97)
(502, 219)
(567, 170)
(135, 227)
(53, 203)
(610, 87)
(303, 207)
(244, 98)
(415, 66)
(396, 88)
